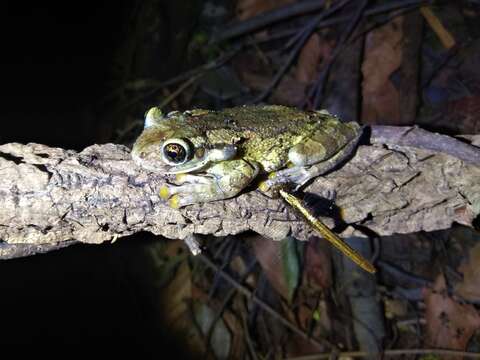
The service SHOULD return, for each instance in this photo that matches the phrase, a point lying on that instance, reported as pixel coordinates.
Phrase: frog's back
(263, 134)
(261, 121)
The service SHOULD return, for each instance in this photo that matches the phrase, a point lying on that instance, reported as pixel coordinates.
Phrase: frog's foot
(294, 175)
(222, 181)
(193, 189)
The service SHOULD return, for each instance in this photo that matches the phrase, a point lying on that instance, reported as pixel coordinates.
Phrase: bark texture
(52, 197)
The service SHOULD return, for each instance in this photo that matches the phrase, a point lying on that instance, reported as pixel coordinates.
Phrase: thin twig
(377, 10)
(298, 9)
(264, 306)
(184, 76)
(322, 79)
(422, 139)
(403, 276)
(179, 90)
(302, 36)
(265, 19)
(248, 339)
(228, 297)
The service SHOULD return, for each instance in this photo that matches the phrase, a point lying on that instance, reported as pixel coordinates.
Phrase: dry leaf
(288, 92)
(235, 327)
(317, 264)
(304, 315)
(246, 9)
(469, 288)
(176, 297)
(449, 323)
(220, 336)
(268, 254)
(309, 59)
(177, 293)
(462, 115)
(383, 55)
(257, 75)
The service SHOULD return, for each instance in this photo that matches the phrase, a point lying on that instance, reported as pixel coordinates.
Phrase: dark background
(56, 63)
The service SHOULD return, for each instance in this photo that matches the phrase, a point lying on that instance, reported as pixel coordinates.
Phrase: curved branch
(52, 196)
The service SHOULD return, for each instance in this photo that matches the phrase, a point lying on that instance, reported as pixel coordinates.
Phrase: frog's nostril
(142, 155)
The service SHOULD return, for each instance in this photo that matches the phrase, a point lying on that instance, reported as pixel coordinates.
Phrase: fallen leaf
(257, 75)
(308, 59)
(383, 55)
(290, 265)
(311, 321)
(268, 254)
(176, 297)
(297, 345)
(449, 323)
(235, 326)
(246, 9)
(462, 115)
(469, 288)
(177, 294)
(288, 92)
(318, 267)
(304, 316)
(220, 338)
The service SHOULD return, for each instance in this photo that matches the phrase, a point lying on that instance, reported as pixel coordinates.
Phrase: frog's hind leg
(300, 175)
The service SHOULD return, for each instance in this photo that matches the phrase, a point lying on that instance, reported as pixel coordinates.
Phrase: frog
(211, 155)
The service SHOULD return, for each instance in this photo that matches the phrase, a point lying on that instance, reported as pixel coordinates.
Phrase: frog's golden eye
(176, 151)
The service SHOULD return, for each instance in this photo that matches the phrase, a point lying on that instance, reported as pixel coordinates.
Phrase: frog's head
(169, 145)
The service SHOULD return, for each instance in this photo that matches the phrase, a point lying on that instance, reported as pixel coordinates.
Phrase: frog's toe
(174, 202)
(170, 193)
(264, 186)
(177, 201)
(165, 192)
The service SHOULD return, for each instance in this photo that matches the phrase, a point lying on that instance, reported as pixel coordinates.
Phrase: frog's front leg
(221, 181)
(302, 156)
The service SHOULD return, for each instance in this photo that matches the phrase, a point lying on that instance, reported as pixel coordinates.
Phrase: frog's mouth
(190, 166)
(197, 163)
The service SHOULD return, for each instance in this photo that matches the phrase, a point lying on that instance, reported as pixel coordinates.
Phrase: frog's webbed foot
(221, 181)
(300, 175)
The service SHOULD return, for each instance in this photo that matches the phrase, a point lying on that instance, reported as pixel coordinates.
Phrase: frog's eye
(176, 151)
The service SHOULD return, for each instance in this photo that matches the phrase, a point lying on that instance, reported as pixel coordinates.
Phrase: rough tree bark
(52, 197)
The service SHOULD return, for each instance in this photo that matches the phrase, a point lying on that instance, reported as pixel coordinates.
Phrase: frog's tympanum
(216, 154)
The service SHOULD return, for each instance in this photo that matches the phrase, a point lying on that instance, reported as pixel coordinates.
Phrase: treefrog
(214, 155)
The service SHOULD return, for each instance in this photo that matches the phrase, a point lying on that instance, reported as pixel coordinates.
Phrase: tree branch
(51, 197)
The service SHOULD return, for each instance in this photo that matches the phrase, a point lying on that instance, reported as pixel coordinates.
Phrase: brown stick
(50, 196)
